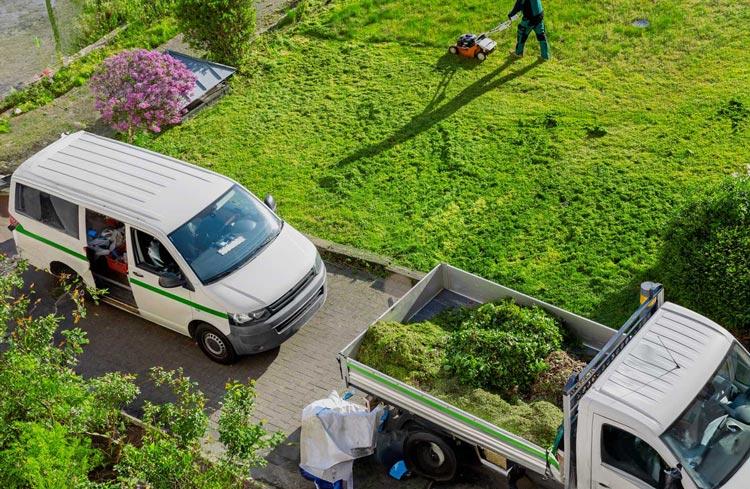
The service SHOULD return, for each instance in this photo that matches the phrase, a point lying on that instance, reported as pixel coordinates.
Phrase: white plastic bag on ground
(334, 433)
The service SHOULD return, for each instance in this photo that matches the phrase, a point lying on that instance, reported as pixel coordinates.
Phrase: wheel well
(58, 267)
(193, 325)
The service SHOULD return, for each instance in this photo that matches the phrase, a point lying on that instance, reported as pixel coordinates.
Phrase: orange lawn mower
(479, 47)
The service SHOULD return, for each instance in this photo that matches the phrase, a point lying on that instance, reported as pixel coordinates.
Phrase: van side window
(151, 255)
(47, 209)
(632, 455)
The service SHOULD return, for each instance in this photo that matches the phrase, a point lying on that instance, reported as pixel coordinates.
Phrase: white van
(179, 245)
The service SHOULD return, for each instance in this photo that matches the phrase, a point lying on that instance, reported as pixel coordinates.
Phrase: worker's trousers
(524, 29)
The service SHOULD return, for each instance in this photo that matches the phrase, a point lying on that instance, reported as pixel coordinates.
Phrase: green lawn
(556, 179)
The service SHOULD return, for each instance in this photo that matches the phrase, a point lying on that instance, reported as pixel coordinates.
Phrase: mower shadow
(434, 112)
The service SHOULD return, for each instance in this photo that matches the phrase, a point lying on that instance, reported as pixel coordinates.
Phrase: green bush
(705, 263)
(46, 457)
(224, 28)
(502, 346)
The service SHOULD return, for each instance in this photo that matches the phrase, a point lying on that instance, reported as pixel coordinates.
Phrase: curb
(352, 257)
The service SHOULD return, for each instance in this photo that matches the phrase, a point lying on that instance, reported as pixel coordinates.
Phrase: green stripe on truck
(179, 299)
(456, 415)
(51, 243)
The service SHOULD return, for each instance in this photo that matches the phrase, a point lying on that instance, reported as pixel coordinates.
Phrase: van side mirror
(270, 202)
(171, 280)
(672, 478)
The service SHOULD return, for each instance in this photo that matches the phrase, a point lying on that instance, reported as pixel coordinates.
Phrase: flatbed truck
(663, 403)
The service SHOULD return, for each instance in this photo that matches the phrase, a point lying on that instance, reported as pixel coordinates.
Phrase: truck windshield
(226, 234)
(712, 437)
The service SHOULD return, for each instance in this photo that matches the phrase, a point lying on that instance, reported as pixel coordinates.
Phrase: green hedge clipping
(501, 347)
(705, 264)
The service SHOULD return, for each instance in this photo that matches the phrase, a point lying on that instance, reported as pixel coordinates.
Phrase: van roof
(124, 181)
(662, 370)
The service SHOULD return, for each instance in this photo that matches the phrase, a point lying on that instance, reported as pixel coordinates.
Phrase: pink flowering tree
(141, 90)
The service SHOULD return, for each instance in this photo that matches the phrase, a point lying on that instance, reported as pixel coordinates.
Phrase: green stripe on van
(179, 299)
(46, 241)
(457, 415)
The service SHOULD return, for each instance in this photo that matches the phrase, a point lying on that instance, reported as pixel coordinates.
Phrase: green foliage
(98, 17)
(502, 346)
(413, 353)
(185, 419)
(706, 258)
(4, 125)
(46, 456)
(58, 428)
(242, 437)
(224, 28)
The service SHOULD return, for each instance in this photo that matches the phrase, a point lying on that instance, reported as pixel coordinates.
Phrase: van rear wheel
(215, 345)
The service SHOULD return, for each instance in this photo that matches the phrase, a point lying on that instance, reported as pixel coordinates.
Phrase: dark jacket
(532, 10)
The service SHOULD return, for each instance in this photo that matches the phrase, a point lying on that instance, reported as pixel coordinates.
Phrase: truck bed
(442, 288)
(445, 299)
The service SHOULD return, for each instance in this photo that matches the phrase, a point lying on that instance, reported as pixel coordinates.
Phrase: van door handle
(138, 274)
(602, 484)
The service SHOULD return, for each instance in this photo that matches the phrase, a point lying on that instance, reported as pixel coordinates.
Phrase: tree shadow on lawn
(434, 113)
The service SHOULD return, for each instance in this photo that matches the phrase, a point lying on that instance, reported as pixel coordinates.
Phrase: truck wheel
(430, 456)
(215, 345)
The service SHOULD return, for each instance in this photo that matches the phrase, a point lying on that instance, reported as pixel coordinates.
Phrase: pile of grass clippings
(519, 343)
(414, 354)
(549, 384)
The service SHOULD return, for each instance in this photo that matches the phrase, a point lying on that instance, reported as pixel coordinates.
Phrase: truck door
(148, 260)
(621, 460)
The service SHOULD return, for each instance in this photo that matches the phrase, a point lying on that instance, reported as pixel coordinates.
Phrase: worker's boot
(514, 54)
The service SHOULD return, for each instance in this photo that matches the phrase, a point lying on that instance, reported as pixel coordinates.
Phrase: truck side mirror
(673, 478)
(270, 202)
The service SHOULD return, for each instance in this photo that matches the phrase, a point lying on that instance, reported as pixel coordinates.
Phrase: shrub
(502, 346)
(705, 263)
(141, 90)
(47, 457)
(412, 353)
(58, 429)
(224, 28)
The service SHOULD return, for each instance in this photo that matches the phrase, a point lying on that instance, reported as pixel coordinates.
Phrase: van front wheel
(215, 345)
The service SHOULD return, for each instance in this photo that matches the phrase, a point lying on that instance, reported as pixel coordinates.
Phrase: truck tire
(214, 344)
(430, 456)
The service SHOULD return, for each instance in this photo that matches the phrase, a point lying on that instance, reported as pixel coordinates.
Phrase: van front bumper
(280, 327)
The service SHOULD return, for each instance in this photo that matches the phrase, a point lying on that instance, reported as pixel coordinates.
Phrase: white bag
(334, 433)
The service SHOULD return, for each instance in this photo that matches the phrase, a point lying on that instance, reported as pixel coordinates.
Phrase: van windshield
(712, 437)
(226, 234)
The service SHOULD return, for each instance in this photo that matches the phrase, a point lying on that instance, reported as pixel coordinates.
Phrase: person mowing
(533, 20)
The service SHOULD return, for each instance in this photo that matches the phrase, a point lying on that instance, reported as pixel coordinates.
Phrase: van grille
(284, 325)
(293, 292)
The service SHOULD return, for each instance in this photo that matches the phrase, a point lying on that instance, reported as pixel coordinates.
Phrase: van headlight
(247, 318)
(318, 264)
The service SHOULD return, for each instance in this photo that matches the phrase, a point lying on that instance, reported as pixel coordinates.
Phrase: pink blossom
(141, 90)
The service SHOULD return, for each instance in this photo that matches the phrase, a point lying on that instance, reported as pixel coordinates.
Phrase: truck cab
(672, 397)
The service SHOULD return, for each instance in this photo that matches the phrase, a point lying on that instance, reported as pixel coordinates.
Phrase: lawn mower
(479, 47)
